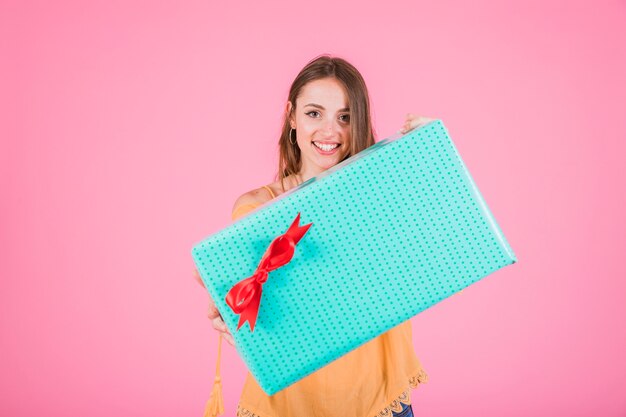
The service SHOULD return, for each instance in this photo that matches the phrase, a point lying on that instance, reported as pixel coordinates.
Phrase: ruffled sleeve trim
(242, 210)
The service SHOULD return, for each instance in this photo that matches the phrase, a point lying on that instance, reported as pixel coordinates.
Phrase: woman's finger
(414, 121)
(213, 312)
(229, 338)
(218, 324)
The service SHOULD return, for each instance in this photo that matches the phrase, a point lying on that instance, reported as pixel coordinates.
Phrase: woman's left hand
(413, 121)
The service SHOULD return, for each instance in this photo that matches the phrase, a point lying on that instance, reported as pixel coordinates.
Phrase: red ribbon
(245, 296)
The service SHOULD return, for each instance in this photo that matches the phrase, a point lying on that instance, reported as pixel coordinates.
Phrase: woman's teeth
(325, 147)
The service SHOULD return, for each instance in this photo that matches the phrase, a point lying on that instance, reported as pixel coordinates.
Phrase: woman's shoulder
(255, 197)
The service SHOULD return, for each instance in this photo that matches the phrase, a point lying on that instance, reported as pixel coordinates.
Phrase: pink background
(130, 128)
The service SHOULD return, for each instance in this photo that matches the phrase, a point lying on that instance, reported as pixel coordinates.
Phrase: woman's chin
(323, 161)
(327, 162)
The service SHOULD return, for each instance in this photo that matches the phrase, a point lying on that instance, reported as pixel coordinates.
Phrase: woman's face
(321, 123)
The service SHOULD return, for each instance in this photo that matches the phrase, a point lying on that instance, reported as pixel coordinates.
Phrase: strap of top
(270, 190)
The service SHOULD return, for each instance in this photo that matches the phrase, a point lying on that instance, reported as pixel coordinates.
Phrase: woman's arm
(244, 204)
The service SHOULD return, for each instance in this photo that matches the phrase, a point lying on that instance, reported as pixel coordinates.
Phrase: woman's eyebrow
(322, 107)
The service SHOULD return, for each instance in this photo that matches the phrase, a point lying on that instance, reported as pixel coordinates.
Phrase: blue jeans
(407, 411)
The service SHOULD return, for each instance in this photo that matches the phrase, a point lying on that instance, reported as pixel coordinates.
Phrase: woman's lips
(323, 152)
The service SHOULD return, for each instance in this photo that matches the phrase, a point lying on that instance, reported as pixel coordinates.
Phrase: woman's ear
(290, 116)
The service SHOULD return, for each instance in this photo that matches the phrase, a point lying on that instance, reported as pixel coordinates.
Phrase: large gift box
(313, 274)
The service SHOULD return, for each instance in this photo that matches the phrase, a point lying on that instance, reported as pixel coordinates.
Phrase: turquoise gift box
(403, 216)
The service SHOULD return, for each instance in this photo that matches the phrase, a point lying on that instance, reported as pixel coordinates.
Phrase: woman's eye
(346, 117)
(309, 113)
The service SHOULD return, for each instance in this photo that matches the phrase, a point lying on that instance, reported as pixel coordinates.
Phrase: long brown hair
(362, 132)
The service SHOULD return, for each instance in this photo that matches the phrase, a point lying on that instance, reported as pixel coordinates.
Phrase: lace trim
(420, 378)
(396, 405)
(405, 397)
(242, 412)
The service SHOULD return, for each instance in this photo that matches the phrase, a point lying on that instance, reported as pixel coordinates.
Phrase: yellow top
(370, 381)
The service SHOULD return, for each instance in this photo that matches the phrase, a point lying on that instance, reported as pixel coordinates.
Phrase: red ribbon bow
(245, 296)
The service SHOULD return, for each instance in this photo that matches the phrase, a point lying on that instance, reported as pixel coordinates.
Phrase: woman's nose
(329, 128)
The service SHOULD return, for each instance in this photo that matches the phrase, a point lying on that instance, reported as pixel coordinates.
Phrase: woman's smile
(326, 148)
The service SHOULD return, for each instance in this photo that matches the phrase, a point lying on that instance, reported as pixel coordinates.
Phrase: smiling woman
(327, 119)
(328, 104)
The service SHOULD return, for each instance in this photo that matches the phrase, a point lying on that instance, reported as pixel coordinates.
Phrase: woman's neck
(294, 180)
(306, 174)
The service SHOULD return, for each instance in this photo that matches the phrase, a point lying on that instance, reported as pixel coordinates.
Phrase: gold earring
(293, 143)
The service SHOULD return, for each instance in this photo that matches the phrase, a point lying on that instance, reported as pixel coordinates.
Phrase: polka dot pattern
(403, 217)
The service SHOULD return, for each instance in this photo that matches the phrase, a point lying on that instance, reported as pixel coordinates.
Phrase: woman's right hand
(218, 322)
(216, 317)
